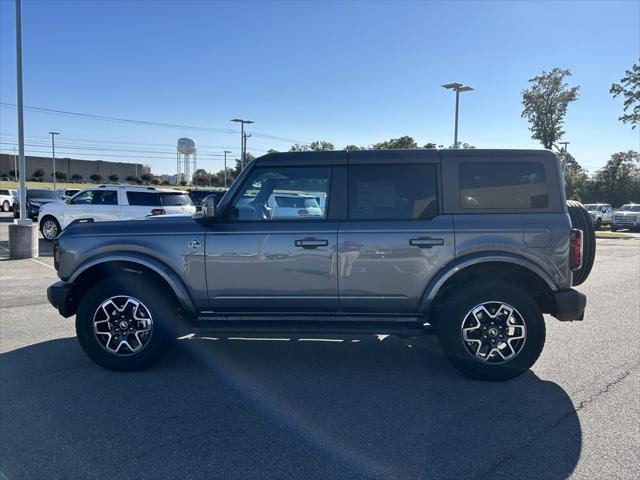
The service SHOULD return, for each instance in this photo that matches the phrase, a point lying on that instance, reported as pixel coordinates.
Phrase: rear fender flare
(474, 259)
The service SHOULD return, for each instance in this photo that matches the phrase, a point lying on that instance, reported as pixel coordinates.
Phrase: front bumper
(570, 305)
(59, 295)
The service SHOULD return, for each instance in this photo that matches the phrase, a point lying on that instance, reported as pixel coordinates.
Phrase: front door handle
(426, 242)
(312, 243)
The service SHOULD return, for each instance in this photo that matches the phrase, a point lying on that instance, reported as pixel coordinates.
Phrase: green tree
(431, 145)
(155, 181)
(317, 146)
(61, 176)
(629, 88)
(38, 174)
(146, 177)
(351, 148)
(76, 177)
(464, 146)
(12, 174)
(96, 177)
(271, 150)
(618, 181)
(200, 177)
(545, 105)
(131, 179)
(405, 142)
(114, 178)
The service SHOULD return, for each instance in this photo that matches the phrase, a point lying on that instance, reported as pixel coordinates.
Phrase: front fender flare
(474, 259)
(166, 273)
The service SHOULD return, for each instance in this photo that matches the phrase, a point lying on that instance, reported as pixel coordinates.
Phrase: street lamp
(564, 160)
(53, 156)
(242, 152)
(457, 87)
(225, 167)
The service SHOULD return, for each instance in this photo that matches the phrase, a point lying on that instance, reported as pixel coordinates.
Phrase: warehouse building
(70, 167)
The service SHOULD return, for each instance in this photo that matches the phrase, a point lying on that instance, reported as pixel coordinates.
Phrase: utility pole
(53, 156)
(225, 167)
(242, 139)
(244, 146)
(15, 164)
(457, 87)
(564, 163)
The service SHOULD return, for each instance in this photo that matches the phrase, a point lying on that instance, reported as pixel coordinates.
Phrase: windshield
(43, 194)
(590, 206)
(630, 208)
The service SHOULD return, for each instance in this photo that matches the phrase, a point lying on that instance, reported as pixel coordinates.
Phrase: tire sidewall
(162, 311)
(43, 221)
(459, 305)
(5, 206)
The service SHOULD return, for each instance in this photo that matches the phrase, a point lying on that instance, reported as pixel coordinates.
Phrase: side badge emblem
(194, 243)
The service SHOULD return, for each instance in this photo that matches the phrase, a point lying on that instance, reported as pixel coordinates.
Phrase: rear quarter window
(503, 185)
(175, 200)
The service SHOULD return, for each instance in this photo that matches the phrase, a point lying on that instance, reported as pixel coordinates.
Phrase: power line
(146, 123)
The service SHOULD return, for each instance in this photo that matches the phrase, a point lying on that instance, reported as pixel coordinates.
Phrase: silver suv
(474, 244)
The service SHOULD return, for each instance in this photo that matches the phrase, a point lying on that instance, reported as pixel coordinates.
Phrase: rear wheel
(124, 323)
(580, 219)
(598, 224)
(50, 228)
(491, 331)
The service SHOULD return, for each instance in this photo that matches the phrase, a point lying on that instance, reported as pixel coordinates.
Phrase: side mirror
(209, 207)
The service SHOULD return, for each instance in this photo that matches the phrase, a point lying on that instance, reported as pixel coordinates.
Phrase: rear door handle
(426, 242)
(312, 243)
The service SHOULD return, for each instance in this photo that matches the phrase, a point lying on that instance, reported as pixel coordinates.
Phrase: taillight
(158, 211)
(575, 249)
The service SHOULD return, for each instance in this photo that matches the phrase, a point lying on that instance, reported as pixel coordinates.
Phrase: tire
(598, 225)
(580, 219)
(466, 356)
(50, 228)
(6, 206)
(155, 312)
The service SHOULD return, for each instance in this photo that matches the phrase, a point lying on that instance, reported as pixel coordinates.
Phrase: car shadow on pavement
(221, 408)
(45, 247)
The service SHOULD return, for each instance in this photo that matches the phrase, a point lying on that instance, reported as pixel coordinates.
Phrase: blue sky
(346, 72)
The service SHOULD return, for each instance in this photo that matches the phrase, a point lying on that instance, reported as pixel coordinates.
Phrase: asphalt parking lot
(346, 408)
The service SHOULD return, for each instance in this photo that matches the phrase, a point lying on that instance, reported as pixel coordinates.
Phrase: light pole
(53, 156)
(225, 167)
(242, 122)
(564, 162)
(457, 87)
(15, 164)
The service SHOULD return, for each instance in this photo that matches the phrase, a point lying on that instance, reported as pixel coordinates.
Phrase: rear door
(395, 238)
(139, 204)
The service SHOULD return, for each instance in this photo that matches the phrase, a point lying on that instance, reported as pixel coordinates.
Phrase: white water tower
(186, 159)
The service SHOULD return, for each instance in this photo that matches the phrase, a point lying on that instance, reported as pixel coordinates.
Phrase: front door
(395, 240)
(264, 256)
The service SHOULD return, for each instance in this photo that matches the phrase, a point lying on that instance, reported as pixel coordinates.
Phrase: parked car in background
(198, 195)
(37, 198)
(291, 205)
(67, 193)
(6, 200)
(627, 216)
(112, 203)
(600, 213)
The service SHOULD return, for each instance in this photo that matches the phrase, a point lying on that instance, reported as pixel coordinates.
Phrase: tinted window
(175, 199)
(105, 197)
(43, 194)
(146, 199)
(503, 185)
(4, 192)
(257, 199)
(392, 191)
(83, 198)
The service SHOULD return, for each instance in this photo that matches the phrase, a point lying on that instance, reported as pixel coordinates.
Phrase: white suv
(103, 203)
(7, 197)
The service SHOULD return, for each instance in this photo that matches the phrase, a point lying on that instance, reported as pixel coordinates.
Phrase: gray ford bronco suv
(474, 244)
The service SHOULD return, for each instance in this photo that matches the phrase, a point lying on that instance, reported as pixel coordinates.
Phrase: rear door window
(394, 191)
(503, 185)
(105, 197)
(144, 199)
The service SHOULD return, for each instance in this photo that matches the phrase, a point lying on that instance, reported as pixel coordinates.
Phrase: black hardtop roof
(337, 157)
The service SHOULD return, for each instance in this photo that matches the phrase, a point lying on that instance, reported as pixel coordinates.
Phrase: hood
(160, 225)
(627, 213)
(43, 201)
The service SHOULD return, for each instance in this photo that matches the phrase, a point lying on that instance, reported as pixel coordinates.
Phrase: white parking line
(42, 263)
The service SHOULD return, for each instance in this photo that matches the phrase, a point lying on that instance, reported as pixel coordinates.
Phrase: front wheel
(124, 323)
(598, 224)
(491, 331)
(50, 228)
(6, 206)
